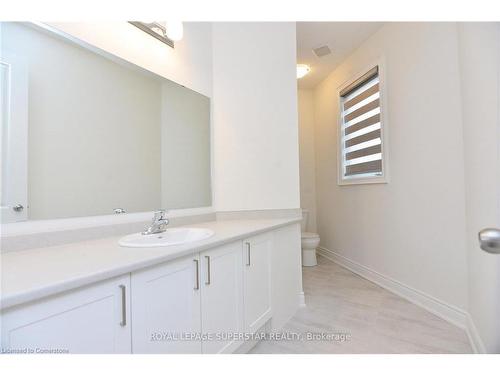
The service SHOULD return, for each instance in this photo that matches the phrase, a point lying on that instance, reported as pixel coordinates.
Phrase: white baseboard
(302, 299)
(440, 308)
(474, 338)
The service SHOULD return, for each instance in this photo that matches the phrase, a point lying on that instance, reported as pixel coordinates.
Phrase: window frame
(384, 178)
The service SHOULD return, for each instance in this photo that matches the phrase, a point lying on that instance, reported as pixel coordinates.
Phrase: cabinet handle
(248, 254)
(208, 270)
(197, 275)
(123, 323)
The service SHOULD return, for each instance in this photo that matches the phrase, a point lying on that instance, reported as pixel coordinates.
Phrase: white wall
(256, 155)
(480, 68)
(307, 157)
(189, 63)
(411, 229)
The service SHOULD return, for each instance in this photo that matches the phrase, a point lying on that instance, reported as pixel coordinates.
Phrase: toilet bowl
(309, 243)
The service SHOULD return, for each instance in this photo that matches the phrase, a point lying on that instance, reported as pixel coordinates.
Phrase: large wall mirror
(84, 133)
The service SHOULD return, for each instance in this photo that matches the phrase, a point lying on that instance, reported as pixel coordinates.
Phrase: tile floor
(377, 320)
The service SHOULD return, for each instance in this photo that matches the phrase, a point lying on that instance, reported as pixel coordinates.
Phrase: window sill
(363, 181)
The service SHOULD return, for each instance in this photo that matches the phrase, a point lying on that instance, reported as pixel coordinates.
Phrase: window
(361, 141)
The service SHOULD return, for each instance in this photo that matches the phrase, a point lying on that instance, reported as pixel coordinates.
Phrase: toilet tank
(305, 216)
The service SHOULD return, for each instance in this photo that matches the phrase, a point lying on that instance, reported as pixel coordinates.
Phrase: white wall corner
(474, 338)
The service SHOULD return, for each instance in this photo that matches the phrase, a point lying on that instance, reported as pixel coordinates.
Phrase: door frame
(14, 137)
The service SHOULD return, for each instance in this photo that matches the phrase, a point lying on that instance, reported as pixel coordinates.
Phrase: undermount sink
(172, 236)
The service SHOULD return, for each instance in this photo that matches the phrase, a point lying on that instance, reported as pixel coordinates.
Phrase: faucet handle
(159, 214)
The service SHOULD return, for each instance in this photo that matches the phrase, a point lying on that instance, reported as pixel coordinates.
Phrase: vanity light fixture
(302, 70)
(166, 32)
(174, 30)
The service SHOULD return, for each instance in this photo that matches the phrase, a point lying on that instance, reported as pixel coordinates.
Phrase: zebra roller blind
(361, 127)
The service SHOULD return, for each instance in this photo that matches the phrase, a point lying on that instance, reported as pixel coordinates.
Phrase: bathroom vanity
(201, 297)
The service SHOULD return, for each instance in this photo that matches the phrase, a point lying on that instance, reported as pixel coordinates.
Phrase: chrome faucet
(159, 223)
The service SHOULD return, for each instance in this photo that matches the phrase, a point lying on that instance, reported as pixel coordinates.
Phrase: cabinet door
(221, 298)
(286, 278)
(94, 319)
(166, 306)
(257, 281)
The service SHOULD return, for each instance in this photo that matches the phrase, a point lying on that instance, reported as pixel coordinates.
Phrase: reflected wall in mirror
(84, 132)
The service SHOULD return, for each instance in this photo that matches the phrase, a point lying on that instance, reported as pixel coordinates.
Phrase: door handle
(197, 275)
(248, 254)
(489, 240)
(18, 207)
(123, 323)
(208, 270)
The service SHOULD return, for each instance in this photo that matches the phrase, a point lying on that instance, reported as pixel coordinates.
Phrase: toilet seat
(307, 235)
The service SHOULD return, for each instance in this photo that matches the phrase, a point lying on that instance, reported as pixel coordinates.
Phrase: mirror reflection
(85, 133)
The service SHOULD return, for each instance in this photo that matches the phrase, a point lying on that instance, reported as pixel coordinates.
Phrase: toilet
(309, 242)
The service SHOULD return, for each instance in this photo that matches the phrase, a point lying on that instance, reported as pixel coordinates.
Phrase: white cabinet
(94, 319)
(257, 281)
(175, 303)
(221, 297)
(165, 305)
(195, 304)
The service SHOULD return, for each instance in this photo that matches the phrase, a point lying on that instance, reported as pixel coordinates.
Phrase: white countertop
(32, 274)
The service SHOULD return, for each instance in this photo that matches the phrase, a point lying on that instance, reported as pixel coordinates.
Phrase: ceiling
(342, 38)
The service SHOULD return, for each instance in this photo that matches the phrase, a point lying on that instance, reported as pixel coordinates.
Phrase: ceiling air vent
(322, 51)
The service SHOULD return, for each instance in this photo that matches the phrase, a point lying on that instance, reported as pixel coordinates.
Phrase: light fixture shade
(302, 70)
(174, 30)
(154, 28)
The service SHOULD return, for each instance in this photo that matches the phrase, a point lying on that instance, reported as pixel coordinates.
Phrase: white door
(14, 138)
(479, 48)
(93, 319)
(257, 281)
(221, 298)
(166, 308)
